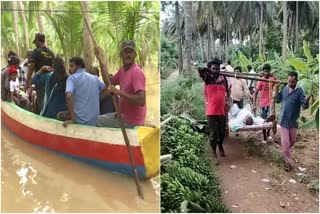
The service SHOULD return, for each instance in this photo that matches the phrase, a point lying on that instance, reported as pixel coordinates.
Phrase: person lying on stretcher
(243, 117)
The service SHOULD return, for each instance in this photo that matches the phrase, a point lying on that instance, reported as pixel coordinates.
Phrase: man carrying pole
(292, 97)
(216, 88)
(265, 99)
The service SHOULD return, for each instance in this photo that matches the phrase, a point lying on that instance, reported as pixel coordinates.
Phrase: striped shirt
(291, 106)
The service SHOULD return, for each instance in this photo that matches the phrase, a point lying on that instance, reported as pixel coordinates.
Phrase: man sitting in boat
(5, 79)
(82, 95)
(132, 93)
(106, 103)
(16, 95)
(53, 79)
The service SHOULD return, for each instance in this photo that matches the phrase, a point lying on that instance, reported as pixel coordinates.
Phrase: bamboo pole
(240, 76)
(124, 133)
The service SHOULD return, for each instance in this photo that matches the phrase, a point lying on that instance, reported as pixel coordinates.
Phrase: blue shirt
(291, 105)
(85, 89)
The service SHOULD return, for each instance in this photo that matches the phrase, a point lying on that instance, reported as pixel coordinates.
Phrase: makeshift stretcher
(237, 118)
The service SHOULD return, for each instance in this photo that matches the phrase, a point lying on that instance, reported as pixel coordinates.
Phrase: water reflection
(36, 180)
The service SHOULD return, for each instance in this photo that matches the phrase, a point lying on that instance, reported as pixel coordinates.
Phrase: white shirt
(253, 82)
(14, 85)
(229, 68)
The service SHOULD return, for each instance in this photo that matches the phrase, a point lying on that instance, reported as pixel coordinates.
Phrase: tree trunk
(15, 23)
(296, 27)
(285, 30)
(201, 44)
(25, 25)
(250, 32)
(292, 23)
(178, 37)
(188, 37)
(209, 43)
(213, 45)
(87, 41)
(40, 23)
(261, 28)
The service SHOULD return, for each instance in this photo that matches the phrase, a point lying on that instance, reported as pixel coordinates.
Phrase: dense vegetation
(187, 181)
(244, 39)
(62, 23)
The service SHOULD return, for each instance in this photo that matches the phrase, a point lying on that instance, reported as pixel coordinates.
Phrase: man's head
(13, 73)
(29, 53)
(39, 39)
(94, 70)
(249, 67)
(11, 54)
(292, 79)
(249, 120)
(214, 65)
(75, 63)
(266, 70)
(14, 60)
(128, 52)
(237, 69)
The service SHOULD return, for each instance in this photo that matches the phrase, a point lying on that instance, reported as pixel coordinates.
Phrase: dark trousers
(239, 103)
(216, 126)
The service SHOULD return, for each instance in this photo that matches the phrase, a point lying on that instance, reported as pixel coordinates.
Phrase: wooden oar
(108, 81)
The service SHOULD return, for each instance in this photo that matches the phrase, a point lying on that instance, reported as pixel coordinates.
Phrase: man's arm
(11, 96)
(30, 72)
(139, 98)
(304, 100)
(278, 96)
(255, 100)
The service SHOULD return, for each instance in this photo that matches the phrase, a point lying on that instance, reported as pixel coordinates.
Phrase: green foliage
(111, 23)
(187, 182)
(168, 56)
(274, 40)
(185, 95)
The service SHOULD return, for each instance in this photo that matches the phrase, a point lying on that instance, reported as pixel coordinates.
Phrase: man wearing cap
(131, 79)
(41, 56)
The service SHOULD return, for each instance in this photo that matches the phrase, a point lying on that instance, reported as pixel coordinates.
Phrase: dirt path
(244, 191)
(173, 76)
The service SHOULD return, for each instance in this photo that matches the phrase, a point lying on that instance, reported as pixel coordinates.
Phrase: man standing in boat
(130, 77)
(41, 56)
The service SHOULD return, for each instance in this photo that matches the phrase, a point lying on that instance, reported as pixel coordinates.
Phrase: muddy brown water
(34, 179)
(37, 180)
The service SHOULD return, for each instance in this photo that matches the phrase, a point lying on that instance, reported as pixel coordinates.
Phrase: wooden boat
(104, 147)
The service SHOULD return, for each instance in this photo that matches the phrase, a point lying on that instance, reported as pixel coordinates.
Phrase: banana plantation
(66, 33)
(282, 34)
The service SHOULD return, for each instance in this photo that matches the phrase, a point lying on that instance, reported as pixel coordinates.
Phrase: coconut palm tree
(284, 30)
(178, 36)
(188, 36)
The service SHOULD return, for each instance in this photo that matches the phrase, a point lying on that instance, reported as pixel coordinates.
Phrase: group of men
(219, 88)
(84, 91)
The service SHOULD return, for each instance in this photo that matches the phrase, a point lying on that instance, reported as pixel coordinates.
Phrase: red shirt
(214, 93)
(265, 97)
(131, 81)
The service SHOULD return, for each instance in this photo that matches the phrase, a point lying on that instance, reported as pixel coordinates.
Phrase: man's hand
(65, 123)
(46, 68)
(114, 90)
(254, 109)
(98, 51)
